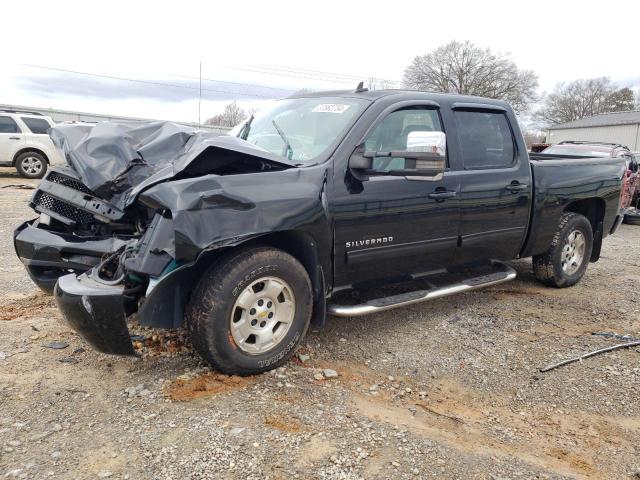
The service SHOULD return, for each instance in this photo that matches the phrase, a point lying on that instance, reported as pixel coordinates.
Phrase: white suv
(25, 143)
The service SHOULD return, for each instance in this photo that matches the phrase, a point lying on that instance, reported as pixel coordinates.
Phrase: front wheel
(31, 165)
(567, 258)
(250, 310)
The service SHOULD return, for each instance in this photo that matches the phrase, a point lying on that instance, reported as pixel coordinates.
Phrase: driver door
(395, 227)
(11, 138)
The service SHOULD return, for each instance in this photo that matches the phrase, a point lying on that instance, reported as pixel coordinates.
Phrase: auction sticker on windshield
(331, 108)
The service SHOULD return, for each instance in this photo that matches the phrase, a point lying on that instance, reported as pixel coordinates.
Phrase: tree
(231, 116)
(465, 68)
(374, 83)
(584, 98)
(303, 91)
(532, 137)
(622, 100)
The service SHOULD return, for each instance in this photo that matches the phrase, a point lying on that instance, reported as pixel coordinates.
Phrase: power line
(322, 73)
(306, 75)
(290, 75)
(204, 79)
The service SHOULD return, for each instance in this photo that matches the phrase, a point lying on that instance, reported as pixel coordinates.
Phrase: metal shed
(616, 127)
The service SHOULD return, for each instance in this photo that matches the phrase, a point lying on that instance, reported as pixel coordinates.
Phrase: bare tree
(230, 116)
(584, 98)
(462, 67)
(532, 137)
(374, 83)
(622, 100)
(303, 91)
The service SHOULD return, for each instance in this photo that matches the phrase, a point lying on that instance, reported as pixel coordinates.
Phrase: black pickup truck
(342, 203)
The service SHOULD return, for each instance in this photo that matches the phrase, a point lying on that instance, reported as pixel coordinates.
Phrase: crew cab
(343, 203)
(25, 143)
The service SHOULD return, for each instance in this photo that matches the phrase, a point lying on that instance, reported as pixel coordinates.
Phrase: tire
(552, 267)
(31, 165)
(218, 325)
(631, 219)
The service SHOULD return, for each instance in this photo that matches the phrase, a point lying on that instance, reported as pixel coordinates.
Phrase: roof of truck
(373, 95)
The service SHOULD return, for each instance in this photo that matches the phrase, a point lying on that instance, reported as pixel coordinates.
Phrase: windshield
(579, 150)
(302, 129)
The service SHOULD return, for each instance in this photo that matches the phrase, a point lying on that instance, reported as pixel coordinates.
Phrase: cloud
(170, 89)
(632, 81)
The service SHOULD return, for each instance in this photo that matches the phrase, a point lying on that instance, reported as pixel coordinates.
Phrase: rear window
(485, 138)
(38, 126)
(8, 125)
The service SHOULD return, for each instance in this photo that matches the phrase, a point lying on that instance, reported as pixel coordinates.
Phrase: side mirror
(424, 159)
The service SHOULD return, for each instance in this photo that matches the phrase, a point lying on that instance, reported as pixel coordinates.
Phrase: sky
(144, 58)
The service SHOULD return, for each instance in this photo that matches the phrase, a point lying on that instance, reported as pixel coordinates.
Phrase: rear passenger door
(495, 182)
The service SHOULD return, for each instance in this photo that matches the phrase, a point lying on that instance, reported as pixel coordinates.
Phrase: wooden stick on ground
(590, 354)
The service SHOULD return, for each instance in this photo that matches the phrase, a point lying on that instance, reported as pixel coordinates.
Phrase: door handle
(442, 194)
(516, 187)
(14, 138)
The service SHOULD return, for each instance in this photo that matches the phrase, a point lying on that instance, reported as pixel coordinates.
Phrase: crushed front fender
(96, 312)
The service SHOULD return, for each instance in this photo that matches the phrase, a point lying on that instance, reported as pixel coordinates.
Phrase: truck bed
(563, 180)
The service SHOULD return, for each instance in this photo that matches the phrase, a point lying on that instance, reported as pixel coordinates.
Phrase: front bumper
(47, 255)
(96, 312)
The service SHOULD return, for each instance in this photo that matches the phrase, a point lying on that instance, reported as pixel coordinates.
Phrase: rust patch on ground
(290, 425)
(206, 385)
(32, 306)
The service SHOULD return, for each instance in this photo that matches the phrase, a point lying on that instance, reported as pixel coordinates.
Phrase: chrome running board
(503, 273)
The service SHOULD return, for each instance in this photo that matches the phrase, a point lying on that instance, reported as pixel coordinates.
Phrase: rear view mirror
(423, 159)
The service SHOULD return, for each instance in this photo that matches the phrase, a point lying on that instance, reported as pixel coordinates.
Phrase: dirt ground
(447, 389)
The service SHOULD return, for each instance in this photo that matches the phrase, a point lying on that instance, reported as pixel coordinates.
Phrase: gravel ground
(447, 389)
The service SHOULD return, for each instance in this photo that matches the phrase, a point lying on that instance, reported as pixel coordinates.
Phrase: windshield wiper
(287, 145)
(244, 133)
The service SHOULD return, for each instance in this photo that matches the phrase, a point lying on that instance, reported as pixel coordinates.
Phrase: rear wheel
(632, 217)
(250, 310)
(31, 165)
(567, 258)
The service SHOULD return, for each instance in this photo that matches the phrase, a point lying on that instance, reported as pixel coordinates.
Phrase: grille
(56, 177)
(44, 200)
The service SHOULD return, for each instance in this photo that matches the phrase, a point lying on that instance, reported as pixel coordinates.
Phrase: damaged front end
(121, 229)
(75, 229)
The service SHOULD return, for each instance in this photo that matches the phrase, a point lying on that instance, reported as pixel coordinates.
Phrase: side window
(36, 125)
(391, 134)
(485, 139)
(8, 125)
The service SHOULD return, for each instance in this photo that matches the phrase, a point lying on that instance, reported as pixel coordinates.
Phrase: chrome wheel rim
(573, 252)
(262, 315)
(32, 165)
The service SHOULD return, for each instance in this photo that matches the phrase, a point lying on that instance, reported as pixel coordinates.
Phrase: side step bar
(504, 274)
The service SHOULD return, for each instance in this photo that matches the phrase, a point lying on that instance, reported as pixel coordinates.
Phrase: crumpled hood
(117, 160)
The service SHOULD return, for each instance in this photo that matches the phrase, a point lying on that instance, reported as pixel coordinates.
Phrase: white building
(616, 127)
(59, 116)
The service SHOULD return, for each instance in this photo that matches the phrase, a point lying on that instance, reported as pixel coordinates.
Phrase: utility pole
(200, 94)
